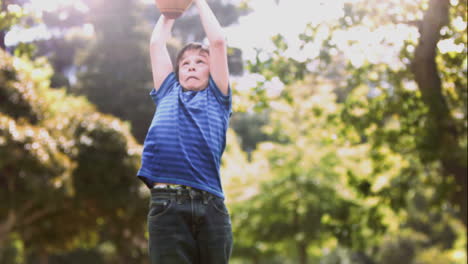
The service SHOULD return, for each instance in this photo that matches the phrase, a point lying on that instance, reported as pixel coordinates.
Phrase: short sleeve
(225, 100)
(166, 87)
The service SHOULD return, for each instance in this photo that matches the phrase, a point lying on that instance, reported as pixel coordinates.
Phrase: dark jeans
(188, 226)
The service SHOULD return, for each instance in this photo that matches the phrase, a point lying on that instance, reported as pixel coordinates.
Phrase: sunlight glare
(459, 24)
(49, 5)
(88, 30)
(360, 43)
(14, 9)
(53, 5)
(289, 18)
(17, 34)
(448, 45)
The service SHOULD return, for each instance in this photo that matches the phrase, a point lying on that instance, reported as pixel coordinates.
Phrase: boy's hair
(188, 47)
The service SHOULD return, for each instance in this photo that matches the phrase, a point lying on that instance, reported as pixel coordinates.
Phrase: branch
(424, 64)
(6, 227)
(3, 9)
(36, 215)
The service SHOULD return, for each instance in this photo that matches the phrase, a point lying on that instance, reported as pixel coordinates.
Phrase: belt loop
(179, 196)
(205, 197)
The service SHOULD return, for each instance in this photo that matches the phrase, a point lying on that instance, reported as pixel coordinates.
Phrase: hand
(197, 1)
(167, 19)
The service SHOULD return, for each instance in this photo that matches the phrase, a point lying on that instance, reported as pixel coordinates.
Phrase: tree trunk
(256, 260)
(442, 132)
(302, 247)
(301, 244)
(3, 8)
(6, 227)
(43, 258)
(2, 40)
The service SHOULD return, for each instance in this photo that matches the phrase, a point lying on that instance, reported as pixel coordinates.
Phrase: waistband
(170, 186)
(182, 191)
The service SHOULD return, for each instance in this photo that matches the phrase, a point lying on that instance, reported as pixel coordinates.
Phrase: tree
(431, 120)
(384, 113)
(299, 195)
(444, 134)
(8, 18)
(68, 171)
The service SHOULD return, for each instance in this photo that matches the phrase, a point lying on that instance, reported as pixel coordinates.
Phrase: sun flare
(53, 5)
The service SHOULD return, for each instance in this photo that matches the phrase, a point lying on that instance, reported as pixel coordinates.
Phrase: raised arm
(161, 64)
(218, 50)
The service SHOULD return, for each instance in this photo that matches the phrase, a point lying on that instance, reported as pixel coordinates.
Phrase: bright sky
(52, 5)
(36, 7)
(288, 18)
(255, 30)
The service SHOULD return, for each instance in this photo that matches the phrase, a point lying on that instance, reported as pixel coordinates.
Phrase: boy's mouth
(191, 77)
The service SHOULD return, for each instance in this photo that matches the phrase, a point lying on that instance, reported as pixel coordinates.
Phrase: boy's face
(194, 70)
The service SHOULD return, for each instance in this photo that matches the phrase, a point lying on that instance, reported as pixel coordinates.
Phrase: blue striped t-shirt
(187, 136)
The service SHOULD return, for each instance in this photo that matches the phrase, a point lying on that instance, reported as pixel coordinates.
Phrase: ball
(172, 8)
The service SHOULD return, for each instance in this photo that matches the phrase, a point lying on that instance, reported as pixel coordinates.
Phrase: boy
(188, 221)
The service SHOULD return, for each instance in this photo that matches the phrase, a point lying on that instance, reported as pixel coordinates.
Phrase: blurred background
(347, 145)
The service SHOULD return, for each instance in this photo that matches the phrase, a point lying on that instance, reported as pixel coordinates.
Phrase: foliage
(77, 164)
(374, 155)
(343, 162)
(300, 192)
(10, 17)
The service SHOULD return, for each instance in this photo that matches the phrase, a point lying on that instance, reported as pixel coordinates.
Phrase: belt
(181, 190)
(171, 186)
